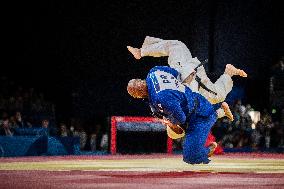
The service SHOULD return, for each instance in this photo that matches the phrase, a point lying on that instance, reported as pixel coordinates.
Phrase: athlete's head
(137, 88)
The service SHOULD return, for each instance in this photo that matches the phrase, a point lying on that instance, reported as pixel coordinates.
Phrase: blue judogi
(170, 98)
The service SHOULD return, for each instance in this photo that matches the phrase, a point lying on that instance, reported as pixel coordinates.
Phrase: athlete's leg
(225, 111)
(180, 58)
(178, 54)
(194, 151)
(152, 46)
(231, 71)
(222, 86)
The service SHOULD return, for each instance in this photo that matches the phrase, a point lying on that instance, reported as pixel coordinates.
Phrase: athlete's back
(169, 96)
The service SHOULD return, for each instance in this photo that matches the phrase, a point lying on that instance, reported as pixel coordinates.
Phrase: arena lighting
(255, 117)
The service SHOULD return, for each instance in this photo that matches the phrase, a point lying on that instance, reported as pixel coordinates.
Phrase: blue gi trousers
(197, 132)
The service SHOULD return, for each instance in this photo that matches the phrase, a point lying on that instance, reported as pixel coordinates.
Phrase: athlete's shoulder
(166, 69)
(160, 80)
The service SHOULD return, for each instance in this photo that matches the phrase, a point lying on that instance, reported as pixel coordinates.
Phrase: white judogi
(180, 58)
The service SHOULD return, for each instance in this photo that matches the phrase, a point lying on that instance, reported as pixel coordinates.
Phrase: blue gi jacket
(169, 97)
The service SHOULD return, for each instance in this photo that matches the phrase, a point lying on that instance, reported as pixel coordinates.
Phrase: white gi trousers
(180, 58)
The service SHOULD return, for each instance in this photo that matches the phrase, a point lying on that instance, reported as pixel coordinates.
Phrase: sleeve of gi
(172, 108)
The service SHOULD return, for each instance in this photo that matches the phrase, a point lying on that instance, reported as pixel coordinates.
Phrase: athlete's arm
(174, 127)
(172, 108)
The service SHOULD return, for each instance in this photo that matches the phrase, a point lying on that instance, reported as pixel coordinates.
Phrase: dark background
(76, 52)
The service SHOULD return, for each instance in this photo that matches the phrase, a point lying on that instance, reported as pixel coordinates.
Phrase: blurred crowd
(94, 140)
(25, 108)
(16, 100)
(93, 136)
(250, 128)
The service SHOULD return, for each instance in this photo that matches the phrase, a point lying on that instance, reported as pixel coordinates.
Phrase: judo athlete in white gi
(183, 109)
(180, 58)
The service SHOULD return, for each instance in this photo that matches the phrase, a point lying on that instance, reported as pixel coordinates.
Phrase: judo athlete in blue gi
(183, 108)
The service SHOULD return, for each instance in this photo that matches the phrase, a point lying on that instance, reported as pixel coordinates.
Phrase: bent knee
(220, 97)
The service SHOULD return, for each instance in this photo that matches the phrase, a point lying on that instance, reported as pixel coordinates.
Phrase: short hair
(137, 88)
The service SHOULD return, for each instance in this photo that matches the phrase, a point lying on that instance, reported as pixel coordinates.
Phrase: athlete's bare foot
(227, 111)
(135, 52)
(212, 148)
(231, 71)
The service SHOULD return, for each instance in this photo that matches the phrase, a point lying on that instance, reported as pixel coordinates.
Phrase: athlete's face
(189, 79)
(137, 88)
